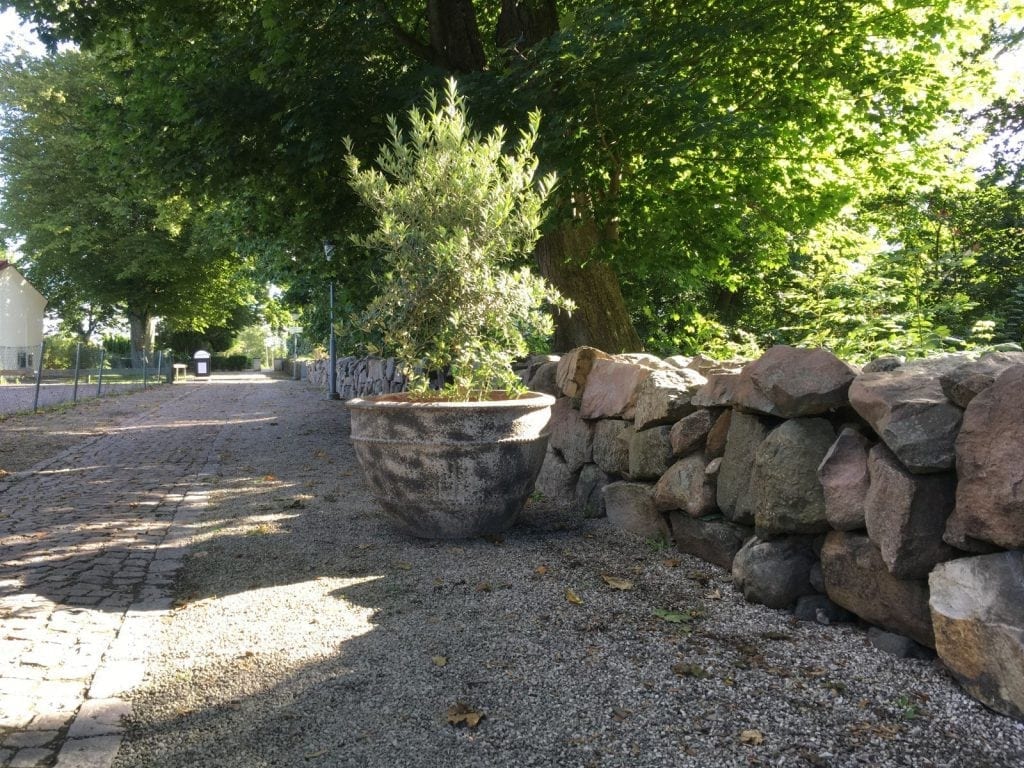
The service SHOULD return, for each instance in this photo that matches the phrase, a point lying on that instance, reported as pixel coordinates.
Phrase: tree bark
(455, 36)
(141, 329)
(600, 318)
(523, 23)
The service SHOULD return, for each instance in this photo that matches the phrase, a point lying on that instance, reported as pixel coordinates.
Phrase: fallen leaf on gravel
(671, 562)
(689, 670)
(403, 565)
(296, 504)
(619, 714)
(320, 454)
(439, 661)
(753, 737)
(540, 570)
(364, 546)
(269, 478)
(673, 617)
(484, 586)
(715, 594)
(617, 583)
(701, 577)
(3, 473)
(461, 714)
(573, 598)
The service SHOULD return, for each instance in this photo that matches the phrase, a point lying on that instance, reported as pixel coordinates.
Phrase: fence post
(99, 381)
(39, 375)
(78, 360)
(145, 370)
(159, 363)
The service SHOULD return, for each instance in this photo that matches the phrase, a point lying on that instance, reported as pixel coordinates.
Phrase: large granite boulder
(630, 507)
(714, 445)
(687, 486)
(989, 464)
(843, 475)
(612, 389)
(571, 436)
(790, 382)
(718, 392)
(746, 433)
(963, 383)
(574, 368)
(977, 608)
(906, 515)
(908, 410)
(689, 433)
(556, 480)
(774, 573)
(650, 453)
(611, 445)
(787, 495)
(544, 379)
(712, 538)
(857, 578)
(664, 397)
(590, 491)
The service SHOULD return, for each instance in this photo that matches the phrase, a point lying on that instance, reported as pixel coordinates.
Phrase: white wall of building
(21, 316)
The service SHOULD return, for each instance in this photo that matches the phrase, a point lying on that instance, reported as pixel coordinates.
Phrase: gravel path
(304, 632)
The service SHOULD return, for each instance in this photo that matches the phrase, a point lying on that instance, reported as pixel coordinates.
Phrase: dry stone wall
(892, 493)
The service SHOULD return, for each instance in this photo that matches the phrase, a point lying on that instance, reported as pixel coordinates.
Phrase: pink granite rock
(844, 478)
(906, 515)
(990, 467)
(612, 388)
(790, 382)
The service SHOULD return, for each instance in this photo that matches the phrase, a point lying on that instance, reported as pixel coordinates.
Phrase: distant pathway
(89, 544)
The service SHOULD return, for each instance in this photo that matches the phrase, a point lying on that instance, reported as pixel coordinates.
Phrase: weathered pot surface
(446, 469)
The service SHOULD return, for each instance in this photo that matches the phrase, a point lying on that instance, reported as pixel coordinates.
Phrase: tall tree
(694, 140)
(98, 232)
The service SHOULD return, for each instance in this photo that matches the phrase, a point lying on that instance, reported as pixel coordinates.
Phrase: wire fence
(32, 378)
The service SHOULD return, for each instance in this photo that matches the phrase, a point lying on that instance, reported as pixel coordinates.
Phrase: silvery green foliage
(455, 213)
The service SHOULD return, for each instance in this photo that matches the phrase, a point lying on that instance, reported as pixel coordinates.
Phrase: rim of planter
(496, 399)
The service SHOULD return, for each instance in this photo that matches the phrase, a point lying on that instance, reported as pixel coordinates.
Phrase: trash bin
(202, 363)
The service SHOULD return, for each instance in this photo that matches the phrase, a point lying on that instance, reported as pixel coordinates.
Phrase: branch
(406, 38)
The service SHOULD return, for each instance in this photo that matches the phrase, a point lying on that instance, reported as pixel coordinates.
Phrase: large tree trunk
(142, 330)
(600, 318)
(523, 23)
(455, 36)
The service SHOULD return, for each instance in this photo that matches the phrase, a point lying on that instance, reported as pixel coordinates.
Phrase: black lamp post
(332, 354)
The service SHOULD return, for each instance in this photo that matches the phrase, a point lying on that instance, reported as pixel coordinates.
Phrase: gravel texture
(306, 632)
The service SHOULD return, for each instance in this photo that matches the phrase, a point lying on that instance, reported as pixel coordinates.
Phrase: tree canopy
(710, 154)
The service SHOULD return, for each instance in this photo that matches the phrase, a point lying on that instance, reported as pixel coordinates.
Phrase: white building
(21, 319)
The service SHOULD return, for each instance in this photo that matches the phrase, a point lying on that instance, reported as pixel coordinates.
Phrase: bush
(455, 215)
(230, 363)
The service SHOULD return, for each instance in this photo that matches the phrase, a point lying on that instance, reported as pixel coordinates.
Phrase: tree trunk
(600, 318)
(142, 329)
(523, 23)
(455, 36)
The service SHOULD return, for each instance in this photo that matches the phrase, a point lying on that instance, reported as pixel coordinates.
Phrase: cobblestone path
(90, 541)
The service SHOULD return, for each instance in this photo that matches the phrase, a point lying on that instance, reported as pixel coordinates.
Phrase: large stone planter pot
(449, 470)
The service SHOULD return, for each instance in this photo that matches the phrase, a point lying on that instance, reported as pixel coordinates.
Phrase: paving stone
(30, 758)
(34, 738)
(95, 752)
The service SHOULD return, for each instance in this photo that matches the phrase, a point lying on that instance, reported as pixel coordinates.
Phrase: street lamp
(332, 354)
(294, 331)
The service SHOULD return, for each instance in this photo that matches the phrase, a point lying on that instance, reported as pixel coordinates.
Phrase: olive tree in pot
(457, 217)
